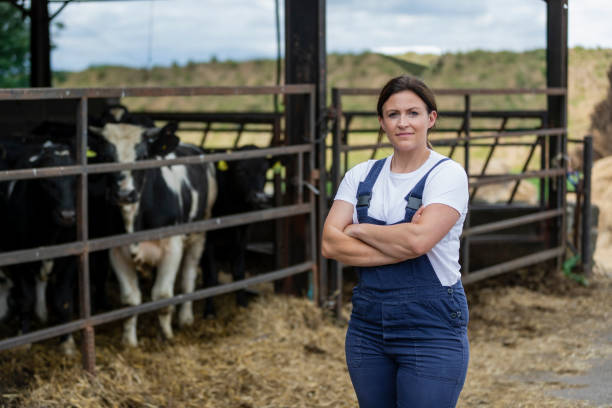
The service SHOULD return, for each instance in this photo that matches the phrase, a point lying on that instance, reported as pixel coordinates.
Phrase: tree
(14, 48)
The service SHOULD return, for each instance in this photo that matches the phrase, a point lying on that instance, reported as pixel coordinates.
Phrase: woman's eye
(393, 114)
(414, 113)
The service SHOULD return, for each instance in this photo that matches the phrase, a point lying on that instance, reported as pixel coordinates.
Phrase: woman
(398, 220)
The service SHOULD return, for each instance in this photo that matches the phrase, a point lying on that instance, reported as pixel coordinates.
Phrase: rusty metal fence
(303, 205)
(547, 217)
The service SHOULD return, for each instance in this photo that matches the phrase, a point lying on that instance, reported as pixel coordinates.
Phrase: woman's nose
(403, 121)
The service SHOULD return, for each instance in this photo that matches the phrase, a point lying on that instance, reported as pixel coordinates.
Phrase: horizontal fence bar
(508, 238)
(75, 248)
(508, 133)
(463, 140)
(512, 265)
(440, 130)
(77, 93)
(220, 117)
(461, 92)
(22, 174)
(535, 114)
(122, 313)
(487, 180)
(511, 222)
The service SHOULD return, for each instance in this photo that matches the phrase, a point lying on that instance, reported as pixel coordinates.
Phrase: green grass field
(588, 85)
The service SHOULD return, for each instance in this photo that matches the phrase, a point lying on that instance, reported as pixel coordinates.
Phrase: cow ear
(95, 139)
(163, 141)
(95, 130)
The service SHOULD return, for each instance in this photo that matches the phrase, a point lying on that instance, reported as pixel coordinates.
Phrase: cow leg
(62, 297)
(238, 264)
(125, 271)
(209, 276)
(189, 271)
(99, 271)
(41, 290)
(24, 280)
(6, 284)
(164, 281)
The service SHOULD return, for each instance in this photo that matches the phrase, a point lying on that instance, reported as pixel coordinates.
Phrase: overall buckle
(414, 203)
(363, 200)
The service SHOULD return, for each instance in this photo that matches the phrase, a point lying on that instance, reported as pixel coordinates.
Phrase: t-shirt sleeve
(347, 191)
(447, 184)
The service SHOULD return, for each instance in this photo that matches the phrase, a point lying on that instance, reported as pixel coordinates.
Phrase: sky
(145, 33)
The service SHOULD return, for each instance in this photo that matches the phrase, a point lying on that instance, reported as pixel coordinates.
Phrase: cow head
(248, 179)
(127, 143)
(59, 190)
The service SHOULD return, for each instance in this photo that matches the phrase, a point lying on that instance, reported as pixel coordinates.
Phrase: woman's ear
(433, 115)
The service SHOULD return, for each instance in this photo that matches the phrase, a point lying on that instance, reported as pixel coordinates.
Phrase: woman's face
(405, 120)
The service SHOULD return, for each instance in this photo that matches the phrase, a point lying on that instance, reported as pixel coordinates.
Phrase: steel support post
(305, 62)
(556, 77)
(88, 346)
(40, 44)
(586, 243)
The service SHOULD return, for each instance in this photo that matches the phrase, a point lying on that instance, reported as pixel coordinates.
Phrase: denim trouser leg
(408, 350)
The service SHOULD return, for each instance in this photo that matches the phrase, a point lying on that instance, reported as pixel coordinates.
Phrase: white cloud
(402, 49)
(183, 30)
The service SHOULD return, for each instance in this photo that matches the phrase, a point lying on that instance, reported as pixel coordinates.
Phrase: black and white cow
(155, 198)
(240, 189)
(41, 212)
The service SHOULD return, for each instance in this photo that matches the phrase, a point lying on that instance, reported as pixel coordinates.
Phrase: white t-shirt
(446, 184)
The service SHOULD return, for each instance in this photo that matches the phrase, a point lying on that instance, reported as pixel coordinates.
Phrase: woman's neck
(407, 162)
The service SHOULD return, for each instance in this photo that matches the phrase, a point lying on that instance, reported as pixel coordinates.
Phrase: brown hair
(406, 83)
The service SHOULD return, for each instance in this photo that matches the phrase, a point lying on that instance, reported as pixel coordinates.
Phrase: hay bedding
(284, 352)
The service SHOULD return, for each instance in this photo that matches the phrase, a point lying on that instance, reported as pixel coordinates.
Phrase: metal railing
(304, 204)
(551, 172)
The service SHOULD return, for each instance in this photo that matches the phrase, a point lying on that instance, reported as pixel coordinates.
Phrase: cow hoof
(68, 347)
(165, 321)
(130, 342)
(185, 322)
(186, 317)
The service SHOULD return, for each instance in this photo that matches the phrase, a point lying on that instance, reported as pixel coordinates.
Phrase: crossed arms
(373, 245)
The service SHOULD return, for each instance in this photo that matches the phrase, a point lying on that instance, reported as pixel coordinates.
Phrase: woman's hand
(340, 243)
(351, 230)
(417, 216)
(408, 240)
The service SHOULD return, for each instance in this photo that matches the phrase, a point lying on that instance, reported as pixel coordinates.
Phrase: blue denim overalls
(406, 345)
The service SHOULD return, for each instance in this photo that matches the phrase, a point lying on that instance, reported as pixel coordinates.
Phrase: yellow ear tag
(277, 167)
(222, 165)
(91, 153)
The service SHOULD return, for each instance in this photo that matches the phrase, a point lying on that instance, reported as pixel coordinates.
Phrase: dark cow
(104, 219)
(240, 186)
(155, 198)
(41, 212)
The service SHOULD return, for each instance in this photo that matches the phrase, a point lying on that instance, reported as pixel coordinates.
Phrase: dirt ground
(530, 332)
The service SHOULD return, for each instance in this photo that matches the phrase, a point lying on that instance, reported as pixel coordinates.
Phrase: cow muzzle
(126, 196)
(65, 218)
(259, 200)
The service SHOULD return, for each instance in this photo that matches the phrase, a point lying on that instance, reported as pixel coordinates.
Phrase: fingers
(417, 215)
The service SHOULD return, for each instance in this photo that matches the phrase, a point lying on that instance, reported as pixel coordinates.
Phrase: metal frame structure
(305, 134)
(302, 205)
(549, 213)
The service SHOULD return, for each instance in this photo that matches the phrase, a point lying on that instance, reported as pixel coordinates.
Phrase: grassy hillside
(587, 79)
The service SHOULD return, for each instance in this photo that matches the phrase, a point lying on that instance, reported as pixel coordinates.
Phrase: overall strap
(364, 190)
(414, 198)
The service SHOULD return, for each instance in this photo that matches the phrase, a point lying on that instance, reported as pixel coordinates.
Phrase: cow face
(127, 143)
(59, 190)
(248, 179)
